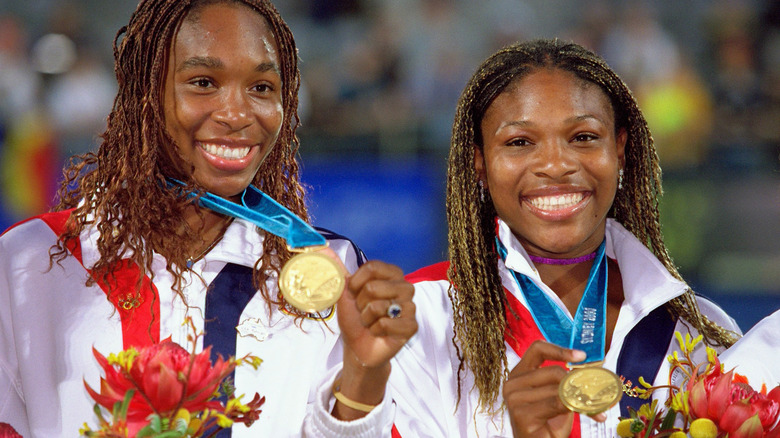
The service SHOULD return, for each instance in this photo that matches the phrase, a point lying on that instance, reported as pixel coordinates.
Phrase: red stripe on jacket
(138, 308)
(521, 330)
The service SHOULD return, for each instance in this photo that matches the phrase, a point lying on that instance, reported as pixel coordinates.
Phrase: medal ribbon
(263, 211)
(587, 331)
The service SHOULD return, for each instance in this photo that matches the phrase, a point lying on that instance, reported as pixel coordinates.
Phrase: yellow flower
(194, 425)
(124, 359)
(678, 434)
(703, 428)
(624, 428)
(223, 421)
(182, 414)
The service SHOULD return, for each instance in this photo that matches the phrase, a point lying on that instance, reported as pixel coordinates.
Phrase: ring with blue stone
(394, 310)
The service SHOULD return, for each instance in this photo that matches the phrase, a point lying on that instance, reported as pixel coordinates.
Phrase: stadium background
(380, 82)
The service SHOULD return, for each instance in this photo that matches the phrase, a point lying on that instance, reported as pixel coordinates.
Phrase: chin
(229, 187)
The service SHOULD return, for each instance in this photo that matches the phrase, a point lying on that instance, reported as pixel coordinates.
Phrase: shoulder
(351, 254)
(755, 355)
(46, 227)
(435, 272)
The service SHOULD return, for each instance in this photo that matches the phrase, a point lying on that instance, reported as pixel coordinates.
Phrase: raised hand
(370, 334)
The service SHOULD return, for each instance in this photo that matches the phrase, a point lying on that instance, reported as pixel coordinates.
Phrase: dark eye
(585, 136)
(263, 88)
(202, 82)
(518, 142)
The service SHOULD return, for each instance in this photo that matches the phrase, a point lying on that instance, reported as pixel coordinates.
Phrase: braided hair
(121, 187)
(477, 297)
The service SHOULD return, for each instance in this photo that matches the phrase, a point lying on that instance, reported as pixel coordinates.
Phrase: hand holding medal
(588, 389)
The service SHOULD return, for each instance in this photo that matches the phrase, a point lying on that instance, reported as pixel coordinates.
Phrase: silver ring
(394, 310)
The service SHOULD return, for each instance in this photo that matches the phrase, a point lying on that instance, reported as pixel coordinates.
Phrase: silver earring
(620, 179)
(481, 191)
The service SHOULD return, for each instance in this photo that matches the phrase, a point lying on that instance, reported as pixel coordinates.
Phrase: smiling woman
(223, 107)
(187, 211)
(555, 258)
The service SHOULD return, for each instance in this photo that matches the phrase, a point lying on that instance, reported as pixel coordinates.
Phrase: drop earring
(620, 179)
(481, 191)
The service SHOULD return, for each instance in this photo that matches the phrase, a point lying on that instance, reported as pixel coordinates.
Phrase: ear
(479, 165)
(620, 143)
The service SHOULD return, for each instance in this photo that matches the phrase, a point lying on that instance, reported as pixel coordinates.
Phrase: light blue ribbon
(263, 211)
(587, 332)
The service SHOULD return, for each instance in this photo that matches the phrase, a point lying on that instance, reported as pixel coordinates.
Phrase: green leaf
(170, 434)
(145, 432)
(668, 422)
(125, 404)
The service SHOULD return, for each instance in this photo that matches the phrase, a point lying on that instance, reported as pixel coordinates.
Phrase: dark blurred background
(380, 83)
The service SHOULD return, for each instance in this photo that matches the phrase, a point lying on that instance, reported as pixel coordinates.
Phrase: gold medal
(590, 390)
(311, 281)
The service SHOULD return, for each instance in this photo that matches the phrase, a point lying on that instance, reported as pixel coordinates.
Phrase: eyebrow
(216, 63)
(526, 123)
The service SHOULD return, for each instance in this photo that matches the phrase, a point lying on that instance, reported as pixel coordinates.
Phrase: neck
(550, 261)
(567, 281)
(207, 225)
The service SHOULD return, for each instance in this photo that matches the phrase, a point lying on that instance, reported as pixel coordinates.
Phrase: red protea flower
(8, 431)
(734, 406)
(165, 377)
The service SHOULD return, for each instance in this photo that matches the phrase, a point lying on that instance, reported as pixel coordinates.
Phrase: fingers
(541, 351)
(531, 391)
(373, 289)
(374, 270)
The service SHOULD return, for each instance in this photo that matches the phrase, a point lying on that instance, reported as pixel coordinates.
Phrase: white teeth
(556, 202)
(230, 153)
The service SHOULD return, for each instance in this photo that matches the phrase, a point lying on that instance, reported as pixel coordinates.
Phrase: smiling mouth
(226, 152)
(558, 202)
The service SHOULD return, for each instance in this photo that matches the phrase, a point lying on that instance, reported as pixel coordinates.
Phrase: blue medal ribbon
(587, 331)
(263, 211)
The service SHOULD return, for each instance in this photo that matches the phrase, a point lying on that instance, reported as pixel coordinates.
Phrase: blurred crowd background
(380, 82)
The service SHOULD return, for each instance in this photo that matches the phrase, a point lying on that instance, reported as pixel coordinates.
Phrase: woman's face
(223, 96)
(550, 161)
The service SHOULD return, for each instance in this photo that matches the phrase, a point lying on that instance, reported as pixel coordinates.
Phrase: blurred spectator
(18, 82)
(78, 102)
(737, 87)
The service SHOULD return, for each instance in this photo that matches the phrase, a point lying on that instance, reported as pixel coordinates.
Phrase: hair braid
(121, 186)
(477, 296)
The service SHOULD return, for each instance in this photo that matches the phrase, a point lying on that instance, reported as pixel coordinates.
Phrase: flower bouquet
(164, 391)
(710, 403)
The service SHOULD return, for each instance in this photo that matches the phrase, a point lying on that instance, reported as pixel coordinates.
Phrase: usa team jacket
(755, 354)
(421, 397)
(50, 321)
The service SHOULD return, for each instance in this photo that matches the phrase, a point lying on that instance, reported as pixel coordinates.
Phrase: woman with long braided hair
(554, 238)
(160, 225)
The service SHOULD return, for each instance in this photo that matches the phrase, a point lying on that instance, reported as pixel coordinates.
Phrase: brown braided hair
(477, 296)
(121, 187)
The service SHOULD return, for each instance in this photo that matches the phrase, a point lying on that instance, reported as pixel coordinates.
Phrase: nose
(555, 159)
(234, 110)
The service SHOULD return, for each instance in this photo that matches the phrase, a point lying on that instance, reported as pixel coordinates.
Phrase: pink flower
(8, 431)
(733, 405)
(166, 378)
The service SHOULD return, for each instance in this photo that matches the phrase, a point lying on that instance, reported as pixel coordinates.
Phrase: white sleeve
(12, 407)
(320, 423)
(755, 355)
